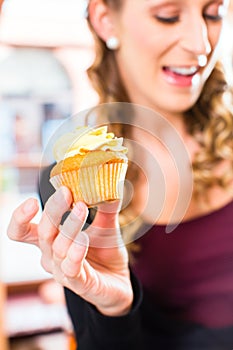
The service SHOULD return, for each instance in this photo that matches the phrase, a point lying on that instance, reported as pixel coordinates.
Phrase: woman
(178, 291)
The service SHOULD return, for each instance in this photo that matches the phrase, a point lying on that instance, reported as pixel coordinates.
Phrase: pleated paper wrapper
(94, 184)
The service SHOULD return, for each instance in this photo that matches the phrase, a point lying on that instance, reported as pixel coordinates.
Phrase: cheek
(135, 50)
(135, 39)
(214, 36)
(140, 34)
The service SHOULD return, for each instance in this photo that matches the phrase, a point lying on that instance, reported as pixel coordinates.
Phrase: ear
(101, 19)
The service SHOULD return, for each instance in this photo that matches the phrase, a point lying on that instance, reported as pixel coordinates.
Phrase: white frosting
(86, 139)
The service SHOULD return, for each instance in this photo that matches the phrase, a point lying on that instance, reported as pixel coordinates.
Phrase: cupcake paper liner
(94, 184)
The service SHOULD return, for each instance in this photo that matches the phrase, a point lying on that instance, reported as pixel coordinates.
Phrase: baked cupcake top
(86, 139)
(86, 146)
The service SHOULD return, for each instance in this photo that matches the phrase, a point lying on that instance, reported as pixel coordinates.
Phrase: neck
(156, 122)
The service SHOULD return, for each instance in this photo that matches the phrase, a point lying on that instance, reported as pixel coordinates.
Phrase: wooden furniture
(3, 338)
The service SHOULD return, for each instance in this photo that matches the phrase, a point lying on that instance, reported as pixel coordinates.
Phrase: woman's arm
(95, 331)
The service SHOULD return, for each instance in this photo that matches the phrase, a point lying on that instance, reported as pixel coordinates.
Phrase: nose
(195, 37)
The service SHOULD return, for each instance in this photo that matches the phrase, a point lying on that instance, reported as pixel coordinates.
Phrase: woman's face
(167, 50)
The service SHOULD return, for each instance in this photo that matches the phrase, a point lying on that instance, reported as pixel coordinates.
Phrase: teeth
(184, 70)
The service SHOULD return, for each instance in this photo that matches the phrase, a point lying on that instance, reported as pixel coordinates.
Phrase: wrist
(117, 309)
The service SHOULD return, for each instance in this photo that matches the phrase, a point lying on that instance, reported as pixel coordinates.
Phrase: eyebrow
(161, 3)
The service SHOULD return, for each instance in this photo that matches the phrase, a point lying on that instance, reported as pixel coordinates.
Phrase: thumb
(107, 214)
(104, 232)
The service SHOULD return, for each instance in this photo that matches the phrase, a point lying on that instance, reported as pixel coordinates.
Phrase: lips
(180, 75)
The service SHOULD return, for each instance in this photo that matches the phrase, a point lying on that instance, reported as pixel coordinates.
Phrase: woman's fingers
(56, 206)
(69, 231)
(20, 227)
(72, 265)
(48, 228)
(70, 245)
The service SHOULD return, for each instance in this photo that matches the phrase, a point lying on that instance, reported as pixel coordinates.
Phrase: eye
(167, 14)
(215, 12)
(212, 17)
(168, 20)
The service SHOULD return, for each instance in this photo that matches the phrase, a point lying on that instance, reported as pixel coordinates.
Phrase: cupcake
(92, 163)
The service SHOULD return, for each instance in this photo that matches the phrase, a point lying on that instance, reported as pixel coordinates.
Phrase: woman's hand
(20, 227)
(91, 263)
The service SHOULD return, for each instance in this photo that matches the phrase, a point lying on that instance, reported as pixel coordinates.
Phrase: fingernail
(61, 194)
(80, 210)
(30, 206)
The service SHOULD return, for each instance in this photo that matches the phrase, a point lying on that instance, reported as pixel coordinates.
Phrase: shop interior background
(45, 49)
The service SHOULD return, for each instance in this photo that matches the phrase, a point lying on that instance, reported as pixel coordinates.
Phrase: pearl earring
(113, 43)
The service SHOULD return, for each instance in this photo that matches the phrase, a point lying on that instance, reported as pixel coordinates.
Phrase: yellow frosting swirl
(86, 139)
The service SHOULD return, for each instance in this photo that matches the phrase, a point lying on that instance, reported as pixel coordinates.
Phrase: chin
(181, 105)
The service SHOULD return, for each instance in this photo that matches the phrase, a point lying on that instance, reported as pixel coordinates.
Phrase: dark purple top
(188, 273)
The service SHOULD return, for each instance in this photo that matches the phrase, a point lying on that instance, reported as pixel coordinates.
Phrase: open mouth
(182, 71)
(181, 76)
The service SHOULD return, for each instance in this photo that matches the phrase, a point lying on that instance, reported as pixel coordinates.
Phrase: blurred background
(45, 49)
